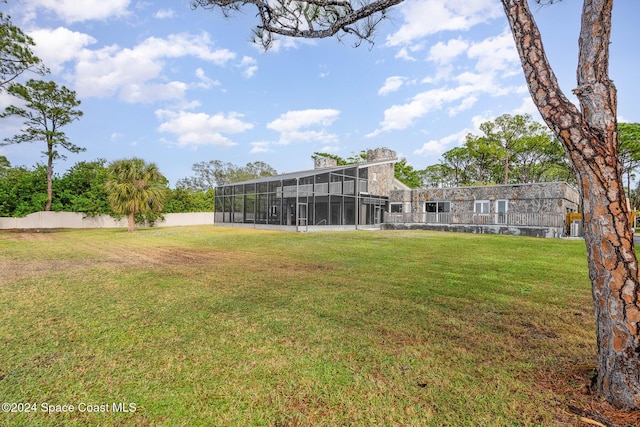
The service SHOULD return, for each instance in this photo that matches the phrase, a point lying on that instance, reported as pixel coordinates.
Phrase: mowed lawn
(214, 326)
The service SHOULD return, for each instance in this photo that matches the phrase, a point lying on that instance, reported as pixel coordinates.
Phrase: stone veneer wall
(548, 197)
(381, 176)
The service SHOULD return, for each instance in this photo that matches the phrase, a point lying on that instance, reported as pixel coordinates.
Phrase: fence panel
(471, 218)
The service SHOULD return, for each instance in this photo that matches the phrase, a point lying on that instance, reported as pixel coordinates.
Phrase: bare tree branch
(309, 19)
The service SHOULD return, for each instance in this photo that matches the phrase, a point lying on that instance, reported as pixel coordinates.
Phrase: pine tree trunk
(590, 139)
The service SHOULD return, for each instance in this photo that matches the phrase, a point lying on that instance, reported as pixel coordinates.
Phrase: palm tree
(135, 187)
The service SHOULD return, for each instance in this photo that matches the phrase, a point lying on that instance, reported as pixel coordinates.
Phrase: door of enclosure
(336, 213)
(302, 214)
(377, 214)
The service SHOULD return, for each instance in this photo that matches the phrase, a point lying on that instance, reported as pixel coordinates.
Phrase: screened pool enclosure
(326, 197)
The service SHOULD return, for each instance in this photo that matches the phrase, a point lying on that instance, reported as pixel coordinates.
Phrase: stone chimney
(320, 162)
(381, 176)
(378, 154)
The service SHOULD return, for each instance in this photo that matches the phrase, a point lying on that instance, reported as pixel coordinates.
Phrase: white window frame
(482, 204)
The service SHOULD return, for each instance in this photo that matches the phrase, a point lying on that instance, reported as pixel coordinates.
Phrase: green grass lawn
(218, 326)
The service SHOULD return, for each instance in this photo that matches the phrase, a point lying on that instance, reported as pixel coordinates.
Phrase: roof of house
(310, 172)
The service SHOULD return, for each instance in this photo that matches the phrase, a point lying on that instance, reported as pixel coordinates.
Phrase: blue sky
(176, 86)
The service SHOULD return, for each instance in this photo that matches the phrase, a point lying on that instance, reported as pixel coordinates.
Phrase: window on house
(395, 207)
(435, 207)
(481, 207)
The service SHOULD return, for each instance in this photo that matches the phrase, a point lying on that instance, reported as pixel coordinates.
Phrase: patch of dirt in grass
(576, 405)
(125, 255)
(31, 236)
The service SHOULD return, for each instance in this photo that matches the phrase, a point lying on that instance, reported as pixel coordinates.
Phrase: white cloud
(391, 84)
(195, 129)
(402, 116)
(250, 66)
(330, 149)
(135, 75)
(116, 136)
(426, 17)
(492, 61)
(496, 54)
(72, 11)
(444, 53)
(183, 44)
(147, 93)
(55, 47)
(293, 125)
(466, 104)
(260, 147)
(404, 54)
(205, 82)
(436, 147)
(165, 14)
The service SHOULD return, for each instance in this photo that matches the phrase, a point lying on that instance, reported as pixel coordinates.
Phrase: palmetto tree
(135, 187)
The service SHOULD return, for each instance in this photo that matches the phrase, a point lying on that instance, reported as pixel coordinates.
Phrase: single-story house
(538, 209)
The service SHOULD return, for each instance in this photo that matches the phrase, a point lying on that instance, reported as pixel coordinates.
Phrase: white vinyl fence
(44, 220)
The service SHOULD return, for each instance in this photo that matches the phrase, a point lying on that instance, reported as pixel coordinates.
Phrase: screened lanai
(328, 197)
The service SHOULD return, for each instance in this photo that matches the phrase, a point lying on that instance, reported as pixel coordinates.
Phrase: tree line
(128, 187)
(512, 149)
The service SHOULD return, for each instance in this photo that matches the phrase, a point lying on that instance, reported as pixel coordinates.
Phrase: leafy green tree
(436, 176)
(534, 155)
(539, 157)
(587, 132)
(82, 188)
(484, 156)
(182, 199)
(135, 187)
(405, 173)
(215, 172)
(510, 136)
(5, 165)
(629, 152)
(458, 166)
(16, 56)
(22, 191)
(48, 109)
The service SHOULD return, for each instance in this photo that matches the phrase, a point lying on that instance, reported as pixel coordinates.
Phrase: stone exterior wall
(381, 177)
(548, 197)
